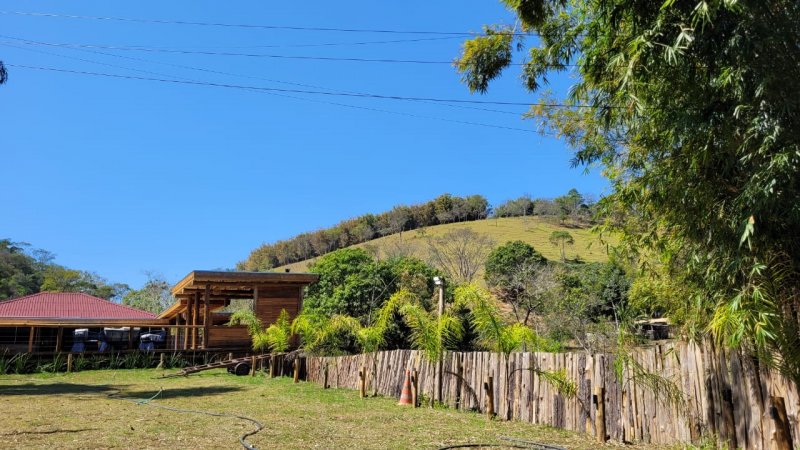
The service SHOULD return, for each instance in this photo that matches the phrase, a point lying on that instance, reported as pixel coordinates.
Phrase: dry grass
(95, 409)
(533, 230)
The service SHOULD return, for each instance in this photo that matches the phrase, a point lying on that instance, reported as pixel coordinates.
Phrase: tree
(155, 296)
(459, 253)
(20, 273)
(61, 279)
(699, 134)
(570, 204)
(519, 276)
(561, 239)
(352, 283)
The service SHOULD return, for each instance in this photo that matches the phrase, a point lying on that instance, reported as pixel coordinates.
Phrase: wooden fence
(723, 394)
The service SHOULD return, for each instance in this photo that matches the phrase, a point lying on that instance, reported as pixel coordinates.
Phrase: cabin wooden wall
(723, 393)
(225, 336)
(271, 301)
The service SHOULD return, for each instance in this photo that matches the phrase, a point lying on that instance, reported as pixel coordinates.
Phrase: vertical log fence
(716, 392)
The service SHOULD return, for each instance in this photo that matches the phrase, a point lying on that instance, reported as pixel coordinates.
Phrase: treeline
(442, 210)
(25, 271)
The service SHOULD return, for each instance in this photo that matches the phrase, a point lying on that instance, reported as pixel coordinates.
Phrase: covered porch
(198, 320)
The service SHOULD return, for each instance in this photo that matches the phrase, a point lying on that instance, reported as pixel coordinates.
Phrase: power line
(301, 91)
(267, 91)
(252, 26)
(201, 69)
(248, 55)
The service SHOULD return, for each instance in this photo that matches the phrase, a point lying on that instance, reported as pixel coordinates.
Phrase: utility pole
(438, 281)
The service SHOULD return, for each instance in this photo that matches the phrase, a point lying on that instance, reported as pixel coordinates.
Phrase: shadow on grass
(116, 391)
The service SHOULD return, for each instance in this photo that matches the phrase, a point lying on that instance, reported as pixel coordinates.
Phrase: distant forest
(443, 209)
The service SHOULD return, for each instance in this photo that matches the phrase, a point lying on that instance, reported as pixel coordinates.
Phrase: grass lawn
(94, 409)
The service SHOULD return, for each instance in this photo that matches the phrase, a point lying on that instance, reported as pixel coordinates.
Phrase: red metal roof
(68, 305)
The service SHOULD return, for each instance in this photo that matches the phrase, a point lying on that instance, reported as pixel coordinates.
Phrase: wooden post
(325, 376)
(206, 315)
(30, 339)
(59, 338)
(253, 366)
(273, 366)
(488, 386)
(195, 319)
(69, 362)
(459, 381)
(362, 386)
(782, 438)
(160, 362)
(186, 330)
(255, 297)
(600, 417)
(415, 388)
(439, 378)
(297, 369)
(177, 330)
(588, 411)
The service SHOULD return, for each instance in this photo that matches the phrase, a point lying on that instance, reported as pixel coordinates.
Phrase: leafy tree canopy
(504, 260)
(352, 283)
(155, 296)
(691, 107)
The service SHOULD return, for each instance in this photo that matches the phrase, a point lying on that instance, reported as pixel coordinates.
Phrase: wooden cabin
(198, 321)
(45, 322)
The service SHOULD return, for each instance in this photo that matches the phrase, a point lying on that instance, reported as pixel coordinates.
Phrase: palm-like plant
(274, 338)
(498, 336)
(323, 335)
(373, 337)
(432, 335)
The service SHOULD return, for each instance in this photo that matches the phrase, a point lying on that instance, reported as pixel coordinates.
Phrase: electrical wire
(252, 26)
(301, 91)
(217, 72)
(364, 108)
(251, 55)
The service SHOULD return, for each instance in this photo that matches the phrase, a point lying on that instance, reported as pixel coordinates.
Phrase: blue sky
(123, 176)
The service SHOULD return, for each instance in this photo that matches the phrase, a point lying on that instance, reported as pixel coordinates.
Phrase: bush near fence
(724, 395)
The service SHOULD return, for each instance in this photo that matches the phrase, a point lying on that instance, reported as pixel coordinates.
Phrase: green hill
(533, 230)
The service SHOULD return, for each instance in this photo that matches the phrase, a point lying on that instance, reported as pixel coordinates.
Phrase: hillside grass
(533, 230)
(99, 409)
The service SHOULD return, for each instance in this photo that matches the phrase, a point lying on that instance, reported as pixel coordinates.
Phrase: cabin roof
(67, 306)
(224, 286)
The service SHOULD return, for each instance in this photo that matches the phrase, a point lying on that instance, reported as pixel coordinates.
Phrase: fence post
(69, 362)
(253, 366)
(600, 417)
(488, 386)
(362, 387)
(325, 376)
(160, 362)
(415, 388)
(782, 439)
(273, 361)
(297, 369)
(588, 408)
